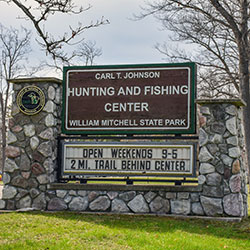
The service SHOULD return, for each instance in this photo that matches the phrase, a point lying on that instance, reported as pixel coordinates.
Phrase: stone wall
(223, 173)
(30, 177)
(32, 148)
(155, 199)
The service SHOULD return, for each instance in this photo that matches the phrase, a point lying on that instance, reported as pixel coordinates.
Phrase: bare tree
(220, 28)
(14, 48)
(39, 11)
(87, 52)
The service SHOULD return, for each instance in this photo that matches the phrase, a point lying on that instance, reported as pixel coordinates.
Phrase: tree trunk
(3, 143)
(3, 130)
(245, 94)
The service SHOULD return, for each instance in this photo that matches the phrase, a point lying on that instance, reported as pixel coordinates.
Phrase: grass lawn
(68, 230)
(37, 230)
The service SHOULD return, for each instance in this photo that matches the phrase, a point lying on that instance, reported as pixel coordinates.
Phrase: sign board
(124, 159)
(129, 99)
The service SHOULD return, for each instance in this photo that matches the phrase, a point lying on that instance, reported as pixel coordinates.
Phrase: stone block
(11, 138)
(29, 130)
(25, 202)
(220, 167)
(127, 196)
(9, 192)
(227, 173)
(218, 127)
(233, 205)
(43, 179)
(202, 120)
(93, 195)
(203, 137)
(49, 165)
(231, 126)
(45, 149)
(37, 168)
(182, 195)
(47, 134)
(58, 96)
(213, 191)
(223, 148)
(38, 157)
(10, 166)
(236, 167)
(205, 110)
(32, 183)
(216, 139)
(231, 110)
(2, 204)
(61, 193)
(57, 204)
(138, 205)
(24, 162)
(12, 152)
(195, 197)
(171, 195)
(17, 129)
(204, 155)
(159, 205)
(212, 206)
(49, 107)
(218, 112)
(21, 193)
(102, 203)
(213, 149)
(25, 175)
(50, 120)
(233, 140)
(213, 179)
(206, 168)
(38, 118)
(34, 193)
(197, 208)
(19, 181)
(34, 142)
(51, 93)
(72, 193)
(201, 179)
(182, 207)
(119, 206)
(6, 178)
(235, 183)
(82, 193)
(10, 205)
(78, 204)
(234, 152)
(149, 196)
(226, 160)
(68, 198)
(112, 195)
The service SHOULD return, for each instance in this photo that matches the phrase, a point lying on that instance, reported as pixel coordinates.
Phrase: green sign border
(191, 130)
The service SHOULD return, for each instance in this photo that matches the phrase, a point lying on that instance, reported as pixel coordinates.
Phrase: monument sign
(129, 99)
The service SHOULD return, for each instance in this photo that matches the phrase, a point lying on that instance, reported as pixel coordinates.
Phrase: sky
(123, 41)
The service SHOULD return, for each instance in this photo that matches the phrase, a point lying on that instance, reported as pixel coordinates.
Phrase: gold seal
(30, 100)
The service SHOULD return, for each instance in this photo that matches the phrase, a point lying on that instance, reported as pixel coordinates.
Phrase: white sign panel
(128, 159)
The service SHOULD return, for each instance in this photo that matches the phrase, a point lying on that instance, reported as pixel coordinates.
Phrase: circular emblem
(30, 100)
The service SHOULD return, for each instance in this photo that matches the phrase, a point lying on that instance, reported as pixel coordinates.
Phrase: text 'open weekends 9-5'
(128, 159)
(129, 99)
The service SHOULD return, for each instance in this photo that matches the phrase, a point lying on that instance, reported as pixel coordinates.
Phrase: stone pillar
(32, 148)
(222, 172)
